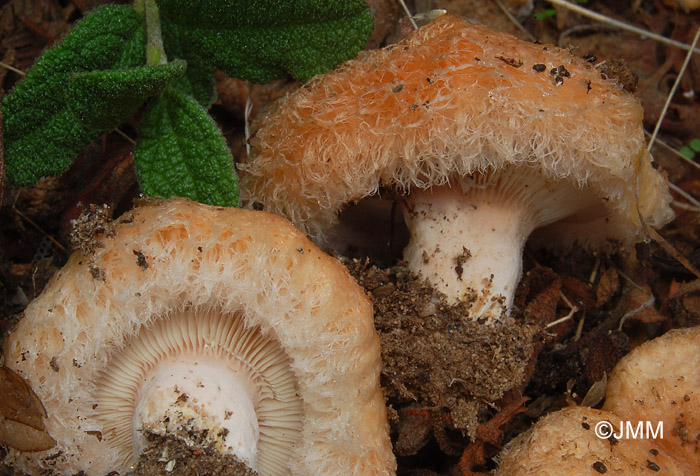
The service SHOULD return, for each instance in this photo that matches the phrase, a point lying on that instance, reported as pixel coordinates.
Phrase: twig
(33, 223)
(408, 14)
(246, 115)
(13, 69)
(668, 248)
(573, 310)
(685, 206)
(660, 240)
(562, 319)
(673, 91)
(514, 20)
(640, 308)
(674, 151)
(624, 26)
(594, 271)
(684, 194)
(580, 28)
(579, 327)
(125, 136)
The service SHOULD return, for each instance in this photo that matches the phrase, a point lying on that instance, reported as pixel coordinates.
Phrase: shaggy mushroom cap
(487, 137)
(658, 383)
(220, 326)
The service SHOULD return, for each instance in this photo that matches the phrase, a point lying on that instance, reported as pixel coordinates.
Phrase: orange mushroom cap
(456, 98)
(489, 138)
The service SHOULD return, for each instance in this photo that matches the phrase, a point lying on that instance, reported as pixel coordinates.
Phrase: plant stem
(140, 7)
(155, 53)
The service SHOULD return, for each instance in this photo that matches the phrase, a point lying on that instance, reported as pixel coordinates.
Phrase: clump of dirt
(94, 221)
(434, 355)
(171, 456)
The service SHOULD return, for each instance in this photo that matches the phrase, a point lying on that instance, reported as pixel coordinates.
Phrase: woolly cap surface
(565, 443)
(658, 382)
(452, 98)
(175, 256)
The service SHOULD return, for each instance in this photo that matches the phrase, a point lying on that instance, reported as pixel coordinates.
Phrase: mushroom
(485, 137)
(656, 385)
(220, 326)
(689, 4)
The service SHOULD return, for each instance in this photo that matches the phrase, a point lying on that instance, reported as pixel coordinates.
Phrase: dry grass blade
(123, 134)
(668, 247)
(408, 14)
(35, 225)
(13, 69)
(674, 151)
(514, 20)
(624, 26)
(673, 90)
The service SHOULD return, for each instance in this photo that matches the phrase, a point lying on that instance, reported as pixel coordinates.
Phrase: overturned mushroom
(486, 138)
(222, 327)
(649, 424)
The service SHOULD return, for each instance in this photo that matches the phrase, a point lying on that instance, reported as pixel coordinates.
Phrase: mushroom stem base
(468, 239)
(467, 247)
(196, 397)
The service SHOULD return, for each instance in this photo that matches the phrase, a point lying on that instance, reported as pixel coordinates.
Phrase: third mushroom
(486, 140)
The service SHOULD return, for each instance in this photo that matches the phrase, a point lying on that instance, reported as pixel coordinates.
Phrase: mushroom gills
(467, 237)
(207, 379)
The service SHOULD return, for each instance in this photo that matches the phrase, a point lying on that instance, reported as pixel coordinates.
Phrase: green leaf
(687, 152)
(550, 12)
(181, 152)
(104, 99)
(199, 80)
(41, 135)
(694, 144)
(261, 40)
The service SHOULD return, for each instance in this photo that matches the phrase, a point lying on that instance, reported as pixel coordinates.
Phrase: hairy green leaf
(198, 81)
(41, 135)
(181, 152)
(261, 40)
(104, 99)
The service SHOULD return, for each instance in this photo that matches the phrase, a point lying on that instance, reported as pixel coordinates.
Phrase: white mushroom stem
(467, 238)
(195, 392)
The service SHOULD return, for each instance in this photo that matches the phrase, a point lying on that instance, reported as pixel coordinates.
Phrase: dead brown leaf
(608, 286)
(641, 301)
(21, 415)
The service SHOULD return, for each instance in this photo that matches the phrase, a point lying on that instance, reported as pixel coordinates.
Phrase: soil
(169, 455)
(456, 391)
(434, 355)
